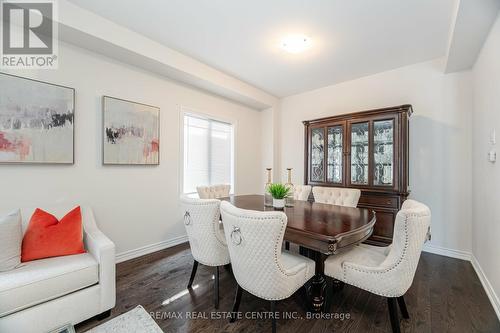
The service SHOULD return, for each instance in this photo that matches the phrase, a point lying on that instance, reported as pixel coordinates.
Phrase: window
(208, 153)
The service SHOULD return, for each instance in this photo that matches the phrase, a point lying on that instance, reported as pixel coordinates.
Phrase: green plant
(279, 191)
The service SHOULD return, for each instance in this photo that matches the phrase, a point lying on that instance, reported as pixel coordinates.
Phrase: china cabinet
(366, 150)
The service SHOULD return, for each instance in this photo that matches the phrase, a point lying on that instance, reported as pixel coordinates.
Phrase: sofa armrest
(103, 250)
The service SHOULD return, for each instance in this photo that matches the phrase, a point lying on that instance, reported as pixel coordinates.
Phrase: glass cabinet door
(317, 154)
(335, 154)
(359, 153)
(383, 152)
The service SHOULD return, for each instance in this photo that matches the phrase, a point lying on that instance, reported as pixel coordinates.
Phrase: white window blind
(208, 153)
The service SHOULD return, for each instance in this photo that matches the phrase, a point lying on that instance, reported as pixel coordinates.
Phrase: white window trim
(186, 111)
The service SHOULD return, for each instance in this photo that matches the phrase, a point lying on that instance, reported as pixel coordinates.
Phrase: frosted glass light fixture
(295, 43)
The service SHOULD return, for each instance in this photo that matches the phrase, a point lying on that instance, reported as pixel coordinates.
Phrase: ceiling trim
(93, 32)
(470, 27)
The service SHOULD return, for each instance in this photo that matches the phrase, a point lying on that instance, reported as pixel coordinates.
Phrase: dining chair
(387, 271)
(259, 265)
(206, 237)
(214, 191)
(301, 192)
(339, 196)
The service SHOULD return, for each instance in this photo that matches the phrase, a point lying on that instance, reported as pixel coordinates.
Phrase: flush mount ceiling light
(295, 43)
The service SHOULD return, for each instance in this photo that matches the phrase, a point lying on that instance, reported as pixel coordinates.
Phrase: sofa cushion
(39, 281)
(47, 237)
(11, 236)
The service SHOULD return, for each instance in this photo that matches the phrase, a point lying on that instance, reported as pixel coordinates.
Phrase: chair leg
(338, 285)
(287, 245)
(273, 310)
(236, 304)
(193, 273)
(393, 313)
(329, 295)
(304, 296)
(402, 306)
(216, 287)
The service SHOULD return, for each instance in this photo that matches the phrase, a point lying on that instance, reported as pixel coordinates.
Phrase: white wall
(270, 143)
(486, 175)
(440, 136)
(135, 206)
(267, 142)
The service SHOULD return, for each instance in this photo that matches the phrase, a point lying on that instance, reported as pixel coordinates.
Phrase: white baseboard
(464, 255)
(458, 254)
(495, 301)
(131, 254)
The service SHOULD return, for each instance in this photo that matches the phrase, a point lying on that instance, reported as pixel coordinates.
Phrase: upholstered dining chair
(387, 271)
(259, 266)
(301, 192)
(214, 191)
(336, 196)
(206, 238)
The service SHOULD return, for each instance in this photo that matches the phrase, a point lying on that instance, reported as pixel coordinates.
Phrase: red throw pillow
(47, 237)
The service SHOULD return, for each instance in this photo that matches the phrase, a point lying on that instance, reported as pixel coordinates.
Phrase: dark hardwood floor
(446, 296)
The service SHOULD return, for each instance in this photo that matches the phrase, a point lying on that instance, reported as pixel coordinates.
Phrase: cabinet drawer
(384, 227)
(377, 200)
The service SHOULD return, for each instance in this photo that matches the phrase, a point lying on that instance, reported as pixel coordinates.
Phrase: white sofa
(45, 294)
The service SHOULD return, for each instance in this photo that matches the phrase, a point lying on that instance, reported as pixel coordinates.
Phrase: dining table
(320, 230)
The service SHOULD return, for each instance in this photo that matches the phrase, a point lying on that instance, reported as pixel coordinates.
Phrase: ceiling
(350, 39)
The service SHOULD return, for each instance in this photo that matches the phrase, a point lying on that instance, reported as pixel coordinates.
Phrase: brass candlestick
(268, 198)
(289, 200)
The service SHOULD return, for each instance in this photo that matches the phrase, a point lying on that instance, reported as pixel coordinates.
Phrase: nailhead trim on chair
(216, 220)
(394, 266)
(277, 247)
(213, 191)
(336, 196)
(214, 225)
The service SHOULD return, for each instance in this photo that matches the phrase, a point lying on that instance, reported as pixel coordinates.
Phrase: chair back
(339, 196)
(411, 229)
(254, 240)
(214, 191)
(206, 239)
(301, 192)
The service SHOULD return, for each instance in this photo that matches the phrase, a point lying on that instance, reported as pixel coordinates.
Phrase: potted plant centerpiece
(279, 192)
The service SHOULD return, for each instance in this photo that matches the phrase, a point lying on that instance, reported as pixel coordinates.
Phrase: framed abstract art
(36, 121)
(131, 132)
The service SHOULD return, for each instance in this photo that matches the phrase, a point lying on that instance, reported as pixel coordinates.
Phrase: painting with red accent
(131, 132)
(36, 121)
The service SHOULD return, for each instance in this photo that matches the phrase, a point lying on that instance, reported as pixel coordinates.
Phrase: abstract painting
(36, 121)
(131, 132)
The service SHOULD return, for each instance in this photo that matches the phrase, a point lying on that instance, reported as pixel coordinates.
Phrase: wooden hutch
(366, 150)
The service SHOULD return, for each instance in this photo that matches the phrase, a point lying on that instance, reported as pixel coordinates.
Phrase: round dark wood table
(320, 230)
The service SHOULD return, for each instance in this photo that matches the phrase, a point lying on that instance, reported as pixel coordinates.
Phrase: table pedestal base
(316, 292)
(317, 288)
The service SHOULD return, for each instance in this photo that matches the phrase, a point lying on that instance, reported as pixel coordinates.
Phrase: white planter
(278, 203)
